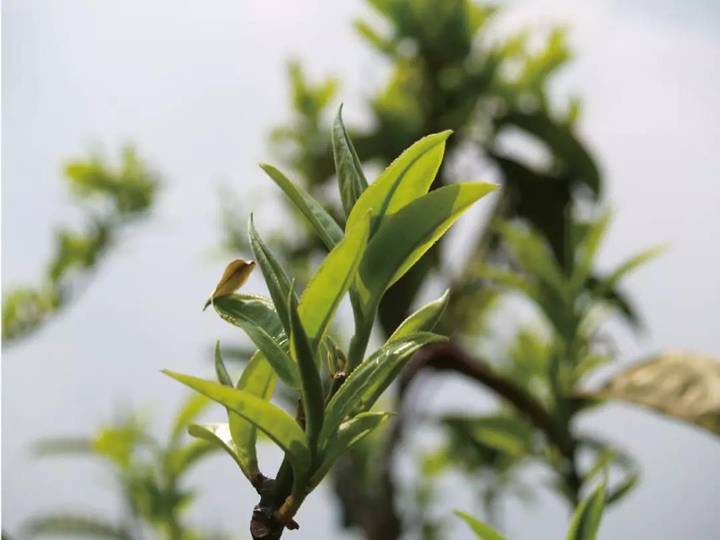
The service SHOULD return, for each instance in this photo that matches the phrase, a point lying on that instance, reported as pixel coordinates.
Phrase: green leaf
(586, 520)
(509, 435)
(191, 409)
(179, 460)
(273, 421)
(332, 280)
(258, 319)
(406, 179)
(365, 385)
(219, 435)
(78, 526)
(351, 178)
(481, 530)
(277, 281)
(325, 226)
(632, 264)
(312, 391)
(258, 379)
(220, 369)
(406, 235)
(682, 385)
(424, 319)
(349, 433)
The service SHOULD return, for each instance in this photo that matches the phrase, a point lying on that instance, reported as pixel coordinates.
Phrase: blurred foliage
(451, 70)
(110, 199)
(150, 475)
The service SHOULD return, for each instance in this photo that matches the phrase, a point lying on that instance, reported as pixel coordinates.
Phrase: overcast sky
(197, 87)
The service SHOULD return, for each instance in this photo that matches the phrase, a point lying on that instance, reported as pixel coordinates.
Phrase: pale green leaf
(424, 319)
(219, 435)
(273, 421)
(406, 235)
(258, 378)
(406, 179)
(324, 224)
(679, 384)
(331, 281)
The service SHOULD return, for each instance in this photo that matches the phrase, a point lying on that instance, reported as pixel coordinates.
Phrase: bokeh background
(197, 87)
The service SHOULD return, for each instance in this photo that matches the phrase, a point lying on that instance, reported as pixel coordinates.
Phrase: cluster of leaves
(110, 199)
(150, 476)
(389, 225)
(449, 70)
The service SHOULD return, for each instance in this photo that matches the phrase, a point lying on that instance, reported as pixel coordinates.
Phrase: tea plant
(390, 224)
(151, 478)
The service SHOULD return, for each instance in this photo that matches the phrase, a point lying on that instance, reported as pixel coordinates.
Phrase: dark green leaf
(278, 283)
(220, 369)
(257, 317)
(365, 385)
(348, 434)
(325, 226)
(312, 391)
(351, 179)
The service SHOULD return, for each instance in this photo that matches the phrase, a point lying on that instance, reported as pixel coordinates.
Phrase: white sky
(197, 86)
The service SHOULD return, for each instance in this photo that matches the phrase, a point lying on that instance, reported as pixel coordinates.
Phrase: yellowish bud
(235, 276)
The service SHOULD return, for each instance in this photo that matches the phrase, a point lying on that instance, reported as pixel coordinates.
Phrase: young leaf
(365, 385)
(278, 283)
(586, 520)
(683, 385)
(273, 421)
(235, 276)
(312, 392)
(349, 433)
(220, 369)
(351, 179)
(632, 264)
(406, 179)
(325, 226)
(219, 435)
(481, 530)
(258, 319)
(332, 280)
(258, 379)
(424, 319)
(406, 235)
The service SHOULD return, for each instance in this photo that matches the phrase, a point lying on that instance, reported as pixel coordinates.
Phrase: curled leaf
(235, 276)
